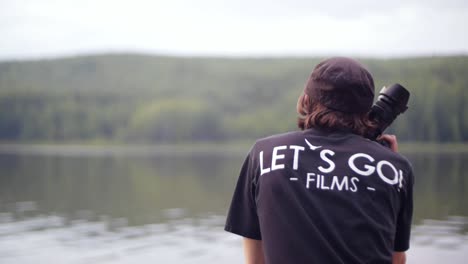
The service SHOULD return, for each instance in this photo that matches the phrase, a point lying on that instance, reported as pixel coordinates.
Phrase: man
(326, 194)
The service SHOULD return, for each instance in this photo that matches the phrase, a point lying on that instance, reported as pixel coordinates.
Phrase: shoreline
(121, 149)
(189, 148)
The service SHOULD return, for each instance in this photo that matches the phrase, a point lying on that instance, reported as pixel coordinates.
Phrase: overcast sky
(51, 28)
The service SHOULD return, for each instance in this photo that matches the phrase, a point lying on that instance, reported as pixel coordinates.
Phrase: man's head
(338, 95)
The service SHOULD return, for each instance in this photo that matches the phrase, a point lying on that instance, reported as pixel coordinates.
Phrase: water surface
(141, 205)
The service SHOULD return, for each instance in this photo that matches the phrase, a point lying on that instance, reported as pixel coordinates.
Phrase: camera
(391, 102)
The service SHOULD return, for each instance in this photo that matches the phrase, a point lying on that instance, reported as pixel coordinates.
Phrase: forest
(160, 99)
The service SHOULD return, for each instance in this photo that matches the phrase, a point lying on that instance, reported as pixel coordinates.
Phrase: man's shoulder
(384, 152)
(280, 139)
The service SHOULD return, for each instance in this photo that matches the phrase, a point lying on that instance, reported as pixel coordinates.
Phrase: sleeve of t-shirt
(403, 230)
(242, 217)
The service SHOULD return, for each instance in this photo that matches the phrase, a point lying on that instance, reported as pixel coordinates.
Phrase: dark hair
(313, 114)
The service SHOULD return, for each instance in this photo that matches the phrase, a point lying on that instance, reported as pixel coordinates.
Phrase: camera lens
(391, 102)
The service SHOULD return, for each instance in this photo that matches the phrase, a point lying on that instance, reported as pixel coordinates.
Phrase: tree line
(142, 98)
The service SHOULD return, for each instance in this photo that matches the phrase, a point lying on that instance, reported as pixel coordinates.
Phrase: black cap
(342, 84)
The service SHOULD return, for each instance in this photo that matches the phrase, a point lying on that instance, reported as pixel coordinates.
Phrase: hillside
(130, 97)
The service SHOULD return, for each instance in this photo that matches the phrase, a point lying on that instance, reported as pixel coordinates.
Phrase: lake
(75, 204)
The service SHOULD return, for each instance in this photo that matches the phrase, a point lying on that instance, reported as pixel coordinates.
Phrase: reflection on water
(148, 206)
(47, 239)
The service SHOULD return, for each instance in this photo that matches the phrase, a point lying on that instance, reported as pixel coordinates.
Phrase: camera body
(391, 102)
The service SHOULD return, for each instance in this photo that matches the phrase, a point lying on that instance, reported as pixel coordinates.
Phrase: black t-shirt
(319, 197)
